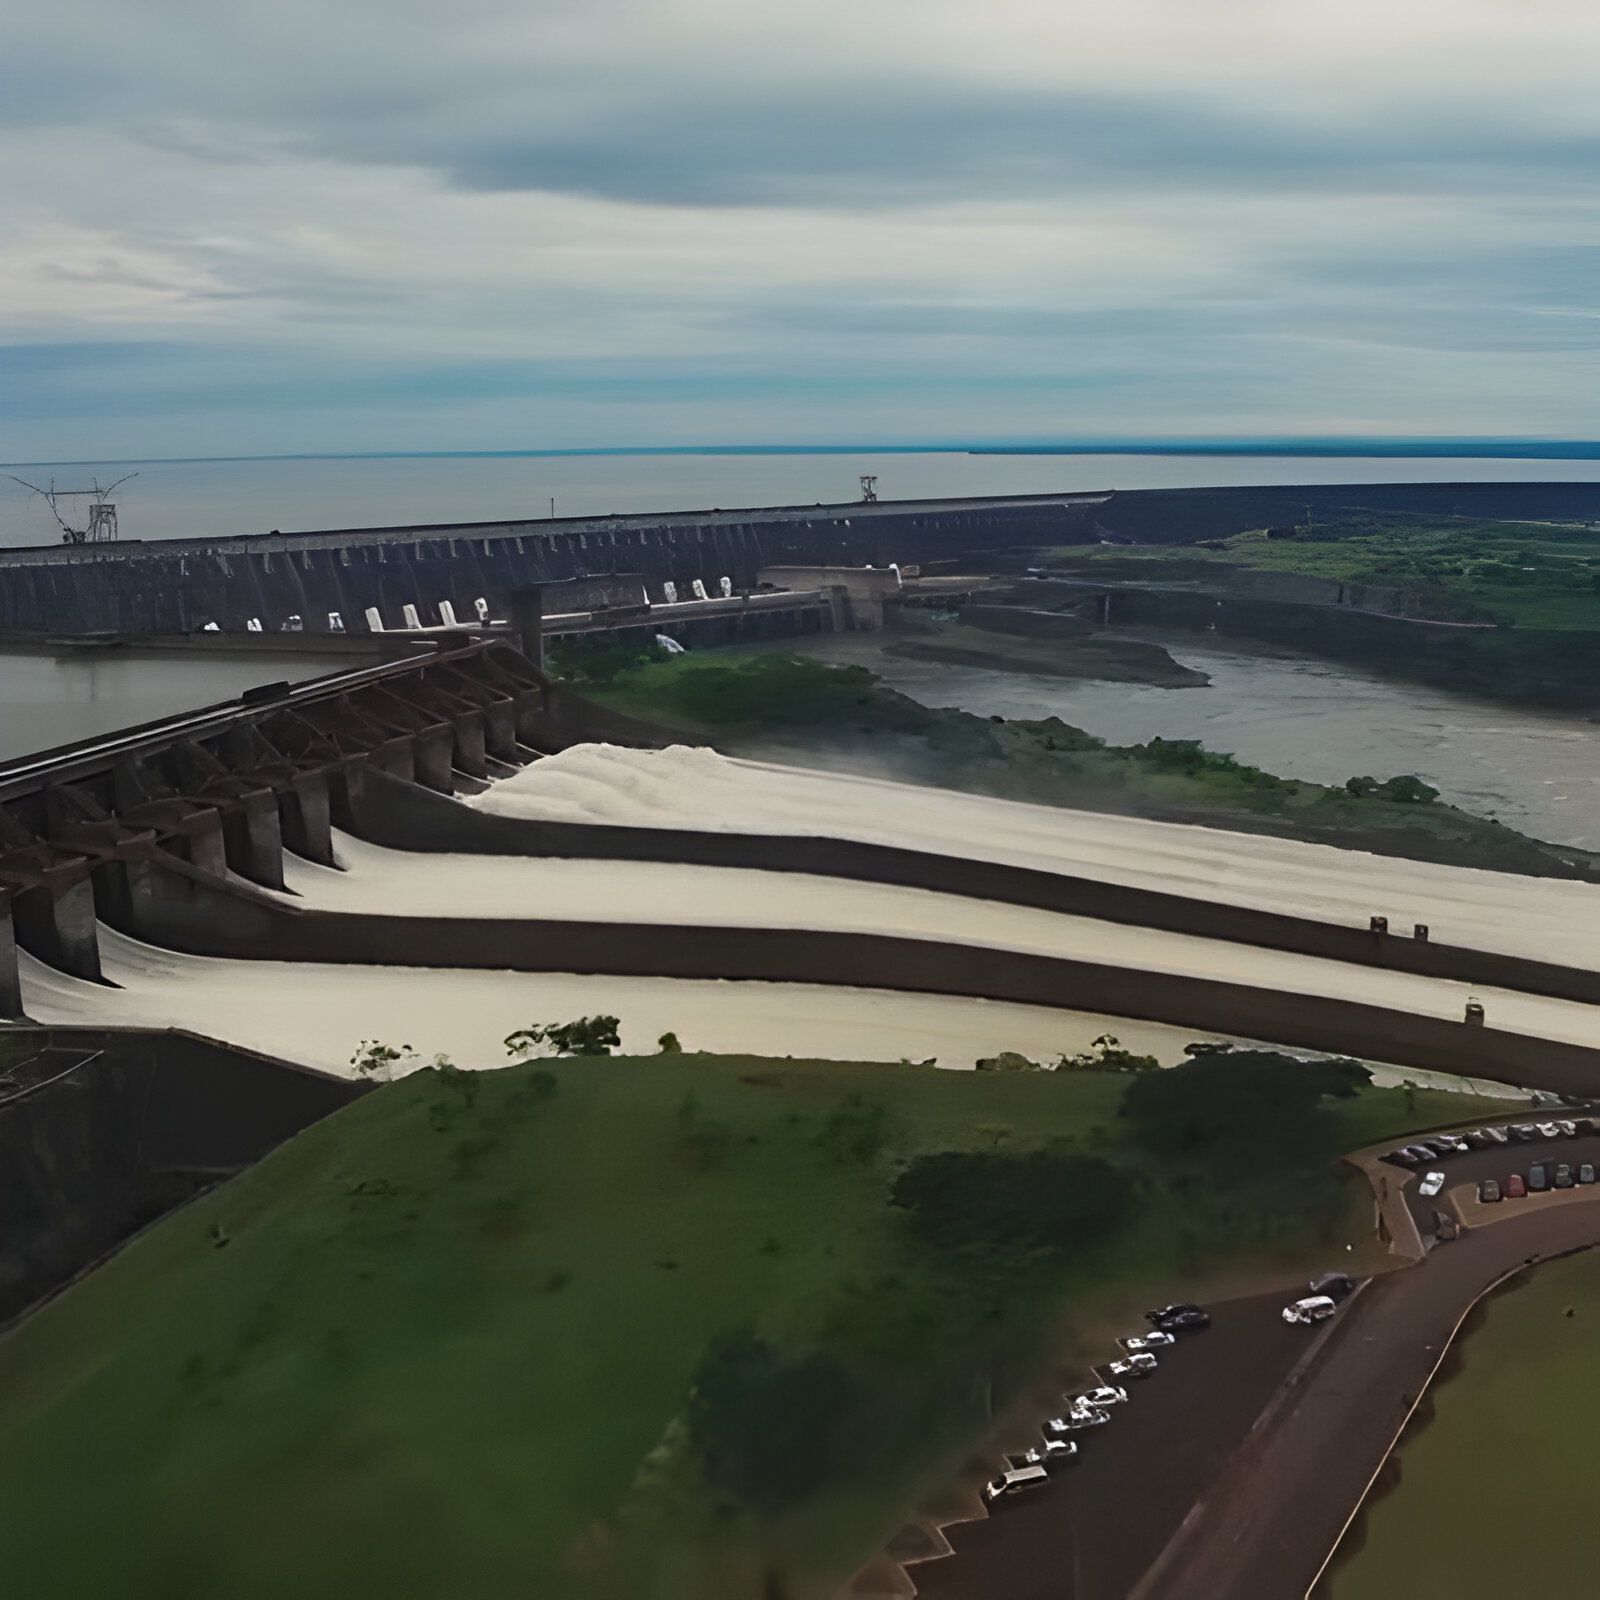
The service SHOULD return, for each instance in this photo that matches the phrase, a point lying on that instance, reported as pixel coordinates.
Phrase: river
(201, 499)
(1301, 717)
(48, 700)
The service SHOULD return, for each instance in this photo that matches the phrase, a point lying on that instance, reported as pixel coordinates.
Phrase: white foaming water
(683, 787)
(318, 1014)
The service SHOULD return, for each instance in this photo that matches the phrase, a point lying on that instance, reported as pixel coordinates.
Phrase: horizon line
(1448, 447)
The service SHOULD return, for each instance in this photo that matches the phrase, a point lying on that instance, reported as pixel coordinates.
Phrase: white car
(1314, 1308)
(1549, 1130)
(1432, 1183)
(1076, 1419)
(1154, 1340)
(1107, 1394)
(1010, 1482)
(1138, 1365)
(1050, 1454)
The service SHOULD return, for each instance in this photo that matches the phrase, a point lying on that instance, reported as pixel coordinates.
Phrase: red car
(1516, 1189)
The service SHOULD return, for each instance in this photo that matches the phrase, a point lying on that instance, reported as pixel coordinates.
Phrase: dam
(370, 576)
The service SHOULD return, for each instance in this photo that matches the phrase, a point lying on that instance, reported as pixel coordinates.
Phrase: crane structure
(101, 526)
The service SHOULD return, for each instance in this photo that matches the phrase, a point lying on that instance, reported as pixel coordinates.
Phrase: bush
(1007, 1061)
(1106, 1054)
(1407, 790)
(584, 1036)
(1043, 1200)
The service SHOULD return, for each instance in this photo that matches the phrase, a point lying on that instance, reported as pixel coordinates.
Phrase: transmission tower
(101, 528)
(869, 487)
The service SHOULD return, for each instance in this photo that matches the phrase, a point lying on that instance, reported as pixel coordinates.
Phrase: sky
(295, 226)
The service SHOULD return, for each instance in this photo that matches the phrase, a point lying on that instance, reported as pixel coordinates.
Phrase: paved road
(1100, 1522)
(1263, 1529)
(1216, 1482)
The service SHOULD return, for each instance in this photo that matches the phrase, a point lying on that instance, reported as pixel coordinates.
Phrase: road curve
(1265, 1527)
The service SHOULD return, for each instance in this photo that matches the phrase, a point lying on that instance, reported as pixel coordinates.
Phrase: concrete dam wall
(180, 585)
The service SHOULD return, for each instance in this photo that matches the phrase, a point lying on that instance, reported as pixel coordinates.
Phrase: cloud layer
(295, 226)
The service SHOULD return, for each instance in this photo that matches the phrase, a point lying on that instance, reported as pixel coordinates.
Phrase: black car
(1479, 1139)
(1184, 1317)
(1563, 1176)
(1335, 1285)
(1400, 1158)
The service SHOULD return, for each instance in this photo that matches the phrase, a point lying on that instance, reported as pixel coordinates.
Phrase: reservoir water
(195, 499)
(1322, 721)
(48, 700)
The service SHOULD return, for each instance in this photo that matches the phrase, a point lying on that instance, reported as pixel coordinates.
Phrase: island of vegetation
(673, 1327)
(801, 710)
(1514, 606)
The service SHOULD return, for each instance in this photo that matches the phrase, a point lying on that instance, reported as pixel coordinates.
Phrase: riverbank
(1096, 657)
(801, 711)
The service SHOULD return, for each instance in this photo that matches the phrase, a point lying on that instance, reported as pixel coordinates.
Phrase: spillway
(1546, 919)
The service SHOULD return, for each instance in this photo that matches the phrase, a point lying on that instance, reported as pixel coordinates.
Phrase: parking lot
(1464, 1172)
(1093, 1529)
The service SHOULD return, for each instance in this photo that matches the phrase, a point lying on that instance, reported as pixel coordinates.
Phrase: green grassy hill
(528, 1333)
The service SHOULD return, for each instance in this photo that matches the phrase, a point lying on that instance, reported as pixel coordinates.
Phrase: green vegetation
(801, 709)
(1453, 569)
(593, 1326)
(1506, 1454)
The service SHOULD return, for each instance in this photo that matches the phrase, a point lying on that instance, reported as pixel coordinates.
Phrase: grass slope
(445, 1344)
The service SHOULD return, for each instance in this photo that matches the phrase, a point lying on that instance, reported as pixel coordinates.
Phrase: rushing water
(1323, 721)
(1497, 1493)
(181, 499)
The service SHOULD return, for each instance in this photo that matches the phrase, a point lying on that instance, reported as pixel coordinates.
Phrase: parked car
(1569, 1129)
(1549, 1130)
(1010, 1482)
(1421, 1154)
(1488, 1191)
(1049, 1454)
(1563, 1179)
(1586, 1126)
(1107, 1394)
(1184, 1317)
(1524, 1131)
(1432, 1183)
(1075, 1419)
(1314, 1308)
(1586, 1172)
(1399, 1158)
(1138, 1365)
(1479, 1139)
(1443, 1145)
(1515, 1187)
(1537, 1178)
(1335, 1285)
(1156, 1339)
(1500, 1135)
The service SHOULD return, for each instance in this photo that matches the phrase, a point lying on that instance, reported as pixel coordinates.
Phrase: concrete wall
(98, 1151)
(176, 586)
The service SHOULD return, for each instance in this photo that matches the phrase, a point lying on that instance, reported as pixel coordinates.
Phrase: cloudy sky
(284, 225)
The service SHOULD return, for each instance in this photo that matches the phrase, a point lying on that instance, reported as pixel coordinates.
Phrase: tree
(1241, 1111)
(767, 1425)
(584, 1036)
(1041, 1200)
(668, 1045)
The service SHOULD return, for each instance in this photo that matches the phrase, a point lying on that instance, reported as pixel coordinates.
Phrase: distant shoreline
(1329, 449)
